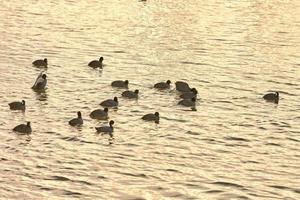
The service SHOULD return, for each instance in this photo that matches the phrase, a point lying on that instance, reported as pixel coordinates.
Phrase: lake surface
(235, 146)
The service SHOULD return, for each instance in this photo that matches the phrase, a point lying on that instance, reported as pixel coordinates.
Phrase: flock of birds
(188, 95)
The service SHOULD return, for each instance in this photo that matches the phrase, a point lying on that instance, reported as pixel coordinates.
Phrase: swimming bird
(190, 94)
(110, 102)
(188, 102)
(40, 82)
(163, 85)
(99, 114)
(16, 105)
(151, 117)
(106, 129)
(23, 128)
(76, 121)
(272, 97)
(40, 63)
(120, 84)
(182, 86)
(96, 63)
(130, 94)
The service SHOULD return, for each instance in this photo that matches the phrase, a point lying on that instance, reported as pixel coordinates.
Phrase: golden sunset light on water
(150, 99)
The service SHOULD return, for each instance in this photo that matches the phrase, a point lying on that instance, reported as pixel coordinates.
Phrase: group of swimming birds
(188, 95)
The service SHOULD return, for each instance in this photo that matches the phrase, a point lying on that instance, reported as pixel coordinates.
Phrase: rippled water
(235, 146)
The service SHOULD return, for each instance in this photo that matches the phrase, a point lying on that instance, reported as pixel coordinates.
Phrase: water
(235, 146)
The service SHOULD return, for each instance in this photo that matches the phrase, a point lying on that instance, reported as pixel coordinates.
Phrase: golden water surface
(235, 146)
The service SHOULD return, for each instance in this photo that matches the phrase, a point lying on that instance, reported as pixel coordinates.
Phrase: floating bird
(99, 114)
(76, 121)
(188, 102)
(163, 85)
(151, 117)
(40, 63)
(106, 129)
(16, 105)
(23, 128)
(182, 86)
(272, 97)
(110, 102)
(96, 63)
(190, 94)
(40, 82)
(120, 84)
(130, 94)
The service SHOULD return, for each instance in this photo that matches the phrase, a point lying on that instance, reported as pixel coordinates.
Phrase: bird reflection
(41, 95)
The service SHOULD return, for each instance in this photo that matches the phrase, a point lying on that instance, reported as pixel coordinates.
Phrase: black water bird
(40, 63)
(96, 63)
(23, 128)
(76, 121)
(272, 97)
(131, 94)
(16, 105)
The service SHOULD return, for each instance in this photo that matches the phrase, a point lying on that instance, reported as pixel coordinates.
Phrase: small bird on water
(163, 85)
(106, 129)
(99, 114)
(41, 82)
(40, 63)
(120, 84)
(23, 128)
(272, 97)
(76, 121)
(188, 102)
(110, 102)
(182, 86)
(130, 94)
(96, 63)
(16, 105)
(189, 95)
(151, 117)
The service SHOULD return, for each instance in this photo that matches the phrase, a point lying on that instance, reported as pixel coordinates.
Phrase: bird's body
(40, 83)
(106, 129)
(17, 105)
(110, 102)
(163, 85)
(190, 94)
(96, 63)
(23, 128)
(40, 63)
(188, 102)
(182, 86)
(151, 117)
(120, 84)
(76, 121)
(130, 94)
(273, 97)
(100, 114)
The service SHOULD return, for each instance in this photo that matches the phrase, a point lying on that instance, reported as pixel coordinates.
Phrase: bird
(110, 102)
(120, 84)
(40, 63)
(76, 121)
(163, 85)
(188, 102)
(106, 129)
(130, 94)
(96, 63)
(272, 97)
(99, 114)
(151, 117)
(182, 86)
(16, 105)
(23, 128)
(190, 94)
(40, 82)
